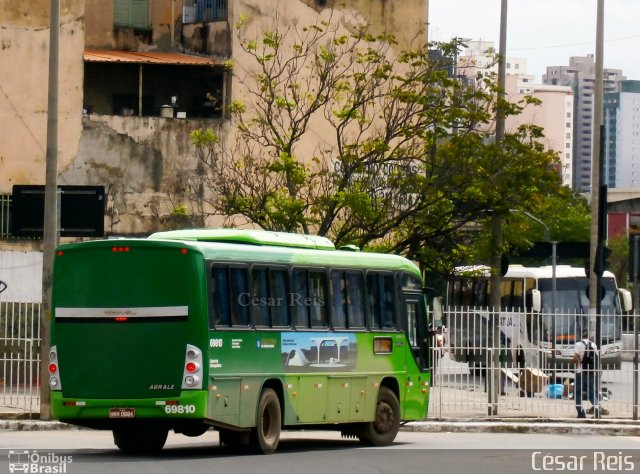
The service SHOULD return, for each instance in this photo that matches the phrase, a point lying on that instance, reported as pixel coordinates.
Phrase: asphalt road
(84, 451)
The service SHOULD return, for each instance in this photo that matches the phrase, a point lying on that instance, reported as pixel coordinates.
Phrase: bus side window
(518, 292)
(270, 293)
(220, 311)
(319, 299)
(355, 300)
(279, 296)
(347, 299)
(259, 291)
(506, 301)
(338, 300)
(299, 298)
(388, 303)
(380, 300)
(240, 315)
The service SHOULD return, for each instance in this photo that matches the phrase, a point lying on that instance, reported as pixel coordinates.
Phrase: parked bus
(539, 334)
(248, 332)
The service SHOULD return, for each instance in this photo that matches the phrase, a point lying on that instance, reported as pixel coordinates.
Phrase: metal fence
(528, 366)
(198, 11)
(533, 380)
(19, 355)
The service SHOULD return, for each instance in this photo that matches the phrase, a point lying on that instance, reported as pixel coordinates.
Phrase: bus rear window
(142, 277)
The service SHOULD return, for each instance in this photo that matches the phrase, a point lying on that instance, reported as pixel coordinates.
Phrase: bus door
(416, 329)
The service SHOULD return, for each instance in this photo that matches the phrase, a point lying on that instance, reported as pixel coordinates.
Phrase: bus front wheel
(137, 440)
(384, 428)
(266, 434)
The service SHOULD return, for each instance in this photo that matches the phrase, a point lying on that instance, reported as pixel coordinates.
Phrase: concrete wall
(22, 272)
(406, 20)
(163, 34)
(24, 63)
(141, 161)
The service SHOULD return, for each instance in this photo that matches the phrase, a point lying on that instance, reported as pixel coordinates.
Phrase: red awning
(135, 57)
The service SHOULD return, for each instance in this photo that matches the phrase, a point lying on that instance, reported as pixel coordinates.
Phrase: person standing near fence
(585, 360)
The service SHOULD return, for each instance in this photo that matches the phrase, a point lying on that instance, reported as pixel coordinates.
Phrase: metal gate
(19, 356)
(533, 368)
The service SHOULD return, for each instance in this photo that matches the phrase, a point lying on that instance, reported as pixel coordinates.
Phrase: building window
(131, 14)
(200, 11)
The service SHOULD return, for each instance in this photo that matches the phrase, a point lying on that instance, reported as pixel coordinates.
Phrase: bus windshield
(572, 301)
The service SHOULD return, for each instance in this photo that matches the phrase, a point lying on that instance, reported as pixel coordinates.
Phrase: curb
(34, 425)
(587, 427)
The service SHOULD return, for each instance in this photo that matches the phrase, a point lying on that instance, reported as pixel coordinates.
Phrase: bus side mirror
(536, 301)
(625, 300)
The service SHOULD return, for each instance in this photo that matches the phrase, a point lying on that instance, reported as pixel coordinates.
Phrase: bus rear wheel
(266, 435)
(384, 428)
(137, 440)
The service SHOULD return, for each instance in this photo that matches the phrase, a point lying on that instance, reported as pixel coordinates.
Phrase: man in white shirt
(585, 361)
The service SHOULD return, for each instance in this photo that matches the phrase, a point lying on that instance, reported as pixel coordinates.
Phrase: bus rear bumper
(107, 413)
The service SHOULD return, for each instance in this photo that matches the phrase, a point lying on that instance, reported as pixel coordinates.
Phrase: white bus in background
(537, 335)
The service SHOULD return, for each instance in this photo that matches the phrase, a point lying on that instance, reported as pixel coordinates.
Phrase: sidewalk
(18, 420)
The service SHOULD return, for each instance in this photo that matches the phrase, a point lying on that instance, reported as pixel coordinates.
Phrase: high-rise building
(622, 136)
(580, 76)
(554, 114)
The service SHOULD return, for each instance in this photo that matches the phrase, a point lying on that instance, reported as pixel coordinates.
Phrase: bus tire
(384, 428)
(136, 440)
(266, 434)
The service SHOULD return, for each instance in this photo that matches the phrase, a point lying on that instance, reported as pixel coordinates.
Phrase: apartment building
(481, 57)
(579, 75)
(554, 114)
(136, 78)
(622, 136)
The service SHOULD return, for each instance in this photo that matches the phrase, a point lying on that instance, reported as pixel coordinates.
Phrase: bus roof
(520, 271)
(248, 236)
(237, 245)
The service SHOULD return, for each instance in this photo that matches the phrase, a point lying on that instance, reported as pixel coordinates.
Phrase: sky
(545, 32)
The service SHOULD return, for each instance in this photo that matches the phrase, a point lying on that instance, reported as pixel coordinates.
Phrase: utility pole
(594, 289)
(493, 389)
(50, 237)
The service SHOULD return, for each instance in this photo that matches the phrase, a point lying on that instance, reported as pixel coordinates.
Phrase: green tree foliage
(340, 135)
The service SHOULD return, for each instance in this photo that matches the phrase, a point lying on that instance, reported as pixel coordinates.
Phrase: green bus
(245, 331)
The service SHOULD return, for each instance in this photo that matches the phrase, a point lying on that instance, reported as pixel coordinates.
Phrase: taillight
(192, 374)
(120, 248)
(191, 367)
(54, 371)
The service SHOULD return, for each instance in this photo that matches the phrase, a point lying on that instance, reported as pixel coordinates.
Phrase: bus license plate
(122, 413)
